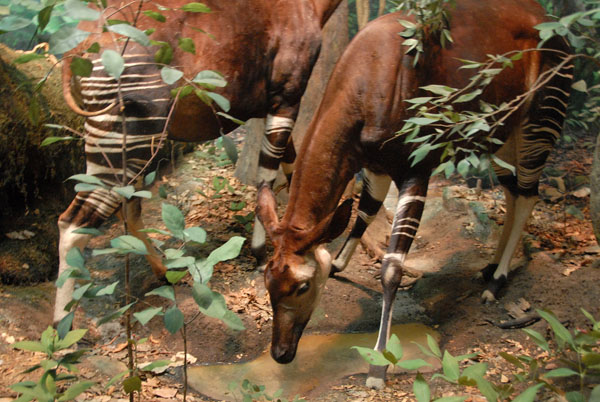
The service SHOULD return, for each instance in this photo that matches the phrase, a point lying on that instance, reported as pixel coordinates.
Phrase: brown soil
(557, 270)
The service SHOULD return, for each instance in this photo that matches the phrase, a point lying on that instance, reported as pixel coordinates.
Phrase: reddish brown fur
(364, 105)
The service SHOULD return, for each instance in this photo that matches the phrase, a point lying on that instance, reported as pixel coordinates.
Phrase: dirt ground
(555, 269)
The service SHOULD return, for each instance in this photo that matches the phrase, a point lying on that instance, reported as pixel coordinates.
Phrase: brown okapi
(264, 49)
(363, 107)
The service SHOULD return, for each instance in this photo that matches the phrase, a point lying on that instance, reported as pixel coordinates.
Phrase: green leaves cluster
(431, 23)
(58, 368)
(578, 353)
(457, 122)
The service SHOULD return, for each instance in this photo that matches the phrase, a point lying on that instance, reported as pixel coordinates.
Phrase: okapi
(264, 49)
(363, 107)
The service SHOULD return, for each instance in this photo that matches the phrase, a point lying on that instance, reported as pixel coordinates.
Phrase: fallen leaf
(22, 235)
(167, 393)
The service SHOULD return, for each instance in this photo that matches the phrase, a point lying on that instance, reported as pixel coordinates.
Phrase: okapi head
(296, 274)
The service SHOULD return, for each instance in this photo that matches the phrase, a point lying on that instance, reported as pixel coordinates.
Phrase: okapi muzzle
(295, 286)
(295, 276)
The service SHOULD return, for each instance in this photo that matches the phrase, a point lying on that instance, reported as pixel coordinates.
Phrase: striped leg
(274, 149)
(373, 194)
(88, 209)
(404, 228)
(528, 151)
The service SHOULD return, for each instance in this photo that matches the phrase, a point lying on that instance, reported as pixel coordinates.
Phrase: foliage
(431, 23)
(58, 367)
(577, 352)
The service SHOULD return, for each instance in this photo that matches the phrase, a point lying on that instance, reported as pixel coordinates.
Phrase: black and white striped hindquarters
(540, 129)
(137, 126)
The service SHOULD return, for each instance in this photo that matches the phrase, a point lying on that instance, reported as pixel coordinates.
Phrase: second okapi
(363, 107)
(264, 49)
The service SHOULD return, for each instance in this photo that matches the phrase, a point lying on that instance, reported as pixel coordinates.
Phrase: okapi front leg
(373, 194)
(274, 145)
(404, 228)
(88, 209)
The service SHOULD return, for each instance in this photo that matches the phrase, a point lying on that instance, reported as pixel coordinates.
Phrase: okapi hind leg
(404, 228)
(274, 150)
(373, 194)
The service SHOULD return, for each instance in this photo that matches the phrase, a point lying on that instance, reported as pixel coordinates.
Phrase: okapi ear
(266, 209)
(339, 221)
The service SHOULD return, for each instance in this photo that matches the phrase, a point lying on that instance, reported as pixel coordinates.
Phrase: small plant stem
(185, 376)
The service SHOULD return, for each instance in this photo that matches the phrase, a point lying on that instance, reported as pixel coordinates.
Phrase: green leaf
(66, 39)
(439, 89)
(210, 78)
(450, 366)
(230, 149)
(32, 346)
(394, 347)
(164, 291)
(529, 394)
(51, 140)
(574, 211)
(595, 395)
(164, 54)
(132, 384)
(149, 178)
(13, 23)
(71, 338)
(180, 262)
(421, 121)
(78, 10)
(131, 32)
(173, 219)
(80, 291)
(156, 364)
(114, 315)
(213, 305)
(219, 100)
(129, 244)
(108, 290)
(463, 167)
(372, 356)
(511, 359)
(468, 97)
(433, 346)
(94, 48)
(580, 86)
(75, 259)
(560, 372)
(187, 45)
(575, 396)
(65, 324)
(74, 390)
(173, 319)
(233, 321)
(81, 67)
(155, 15)
(142, 194)
(538, 339)
(113, 62)
(88, 231)
(145, 316)
(227, 251)
(452, 399)
(195, 234)
(414, 364)
(503, 164)
(421, 389)
(175, 276)
(202, 295)
(196, 8)
(126, 191)
(562, 334)
(233, 119)
(170, 75)
(26, 58)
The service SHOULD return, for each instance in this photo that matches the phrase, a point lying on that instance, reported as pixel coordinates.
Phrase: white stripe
(274, 122)
(116, 90)
(118, 118)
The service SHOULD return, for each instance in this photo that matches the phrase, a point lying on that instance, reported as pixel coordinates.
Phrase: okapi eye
(303, 288)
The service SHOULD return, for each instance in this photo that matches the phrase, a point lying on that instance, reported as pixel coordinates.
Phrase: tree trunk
(362, 13)
(335, 39)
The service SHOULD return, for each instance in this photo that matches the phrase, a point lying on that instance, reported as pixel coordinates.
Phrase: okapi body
(264, 49)
(363, 107)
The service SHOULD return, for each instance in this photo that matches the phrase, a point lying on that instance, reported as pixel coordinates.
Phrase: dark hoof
(491, 293)
(488, 272)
